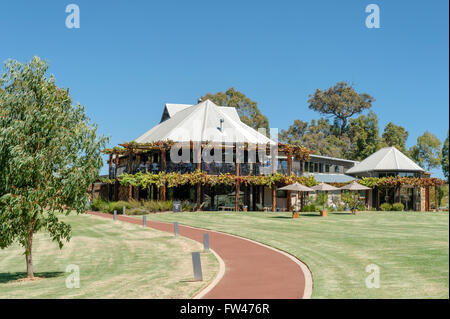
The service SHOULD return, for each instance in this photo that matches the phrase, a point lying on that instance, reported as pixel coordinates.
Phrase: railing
(214, 168)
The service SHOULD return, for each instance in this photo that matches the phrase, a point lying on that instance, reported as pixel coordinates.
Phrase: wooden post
(237, 187)
(110, 165)
(399, 193)
(436, 198)
(163, 168)
(199, 167)
(274, 198)
(116, 184)
(130, 171)
(289, 165)
(427, 199)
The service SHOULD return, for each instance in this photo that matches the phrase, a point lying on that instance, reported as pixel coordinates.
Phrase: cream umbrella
(354, 186)
(323, 187)
(296, 187)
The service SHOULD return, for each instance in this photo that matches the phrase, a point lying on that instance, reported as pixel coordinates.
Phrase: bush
(309, 208)
(398, 207)
(137, 211)
(99, 205)
(386, 207)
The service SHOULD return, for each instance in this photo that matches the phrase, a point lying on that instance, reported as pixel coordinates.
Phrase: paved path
(252, 271)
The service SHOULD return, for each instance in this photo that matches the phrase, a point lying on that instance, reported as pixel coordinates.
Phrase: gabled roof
(170, 110)
(386, 159)
(203, 122)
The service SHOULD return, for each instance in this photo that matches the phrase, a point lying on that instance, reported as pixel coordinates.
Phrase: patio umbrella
(324, 188)
(355, 186)
(296, 187)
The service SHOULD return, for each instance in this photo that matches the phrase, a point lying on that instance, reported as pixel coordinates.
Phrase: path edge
(216, 280)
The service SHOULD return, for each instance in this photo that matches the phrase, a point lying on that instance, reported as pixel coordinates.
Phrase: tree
(317, 136)
(427, 151)
(49, 156)
(364, 135)
(395, 135)
(247, 109)
(294, 134)
(444, 161)
(340, 101)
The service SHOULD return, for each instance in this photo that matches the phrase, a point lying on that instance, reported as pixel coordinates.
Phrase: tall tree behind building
(247, 109)
(427, 151)
(341, 102)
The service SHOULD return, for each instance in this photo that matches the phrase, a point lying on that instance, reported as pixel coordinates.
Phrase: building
(215, 160)
(390, 162)
(207, 124)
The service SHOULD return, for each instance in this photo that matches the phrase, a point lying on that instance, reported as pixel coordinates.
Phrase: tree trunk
(29, 257)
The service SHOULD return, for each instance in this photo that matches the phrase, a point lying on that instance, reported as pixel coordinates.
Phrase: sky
(128, 58)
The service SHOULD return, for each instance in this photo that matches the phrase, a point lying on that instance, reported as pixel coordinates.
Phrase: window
(281, 194)
(320, 168)
(336, 169)
(316, 167)
(327, 168)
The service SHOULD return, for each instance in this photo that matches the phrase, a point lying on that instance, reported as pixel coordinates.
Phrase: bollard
(144, 220)
(206, 242)
(175, 228)
(115, 215)
(123, 210)
(196, 263)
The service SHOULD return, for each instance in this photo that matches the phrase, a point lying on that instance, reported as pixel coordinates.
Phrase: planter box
(295, 215)
(323, 212)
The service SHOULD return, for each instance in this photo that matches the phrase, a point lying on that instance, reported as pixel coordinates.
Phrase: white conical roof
(201, 123)
(386, 159)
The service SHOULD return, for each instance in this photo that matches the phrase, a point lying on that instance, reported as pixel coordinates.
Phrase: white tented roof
(386, 159)
(202, 122)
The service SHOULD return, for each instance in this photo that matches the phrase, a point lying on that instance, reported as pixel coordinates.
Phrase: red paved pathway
(252, 271)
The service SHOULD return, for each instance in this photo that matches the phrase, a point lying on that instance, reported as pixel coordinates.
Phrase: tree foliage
(247, 109)
(364, 135)
(340, 101)
(49, 156)
(427, 151)
(395, 135)
(444, 162)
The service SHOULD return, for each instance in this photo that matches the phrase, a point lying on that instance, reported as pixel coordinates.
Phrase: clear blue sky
(130, 57)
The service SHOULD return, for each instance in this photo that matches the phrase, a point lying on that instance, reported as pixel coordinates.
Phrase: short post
(144, 220)
(196, 263)
(123, 210)
(115, 215)
(206, 242)
(175, 228)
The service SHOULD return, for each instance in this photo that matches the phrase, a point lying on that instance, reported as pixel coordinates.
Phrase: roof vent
(221, 125)
(199, 100)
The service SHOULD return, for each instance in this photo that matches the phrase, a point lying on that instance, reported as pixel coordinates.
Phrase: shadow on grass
(12, 276)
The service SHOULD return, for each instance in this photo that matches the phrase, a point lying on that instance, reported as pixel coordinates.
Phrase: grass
(411, 248)
(116, 260)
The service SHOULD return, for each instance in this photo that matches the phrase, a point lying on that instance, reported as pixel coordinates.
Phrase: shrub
(386, 207)
(309, 208)
(398, 207)
(187, 206)
(99, 204)
(137, 211)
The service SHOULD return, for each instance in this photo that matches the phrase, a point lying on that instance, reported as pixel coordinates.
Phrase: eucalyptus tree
(340, 101)
(50, 153)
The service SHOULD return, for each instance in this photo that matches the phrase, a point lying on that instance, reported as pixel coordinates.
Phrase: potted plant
(352, 201)
(322, 200)
(294, 214)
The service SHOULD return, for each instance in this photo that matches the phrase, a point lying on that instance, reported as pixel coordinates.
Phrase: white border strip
(216, 280)
(307, 292)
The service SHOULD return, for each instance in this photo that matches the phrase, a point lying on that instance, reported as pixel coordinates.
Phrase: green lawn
(116, 260)
(411, 248)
